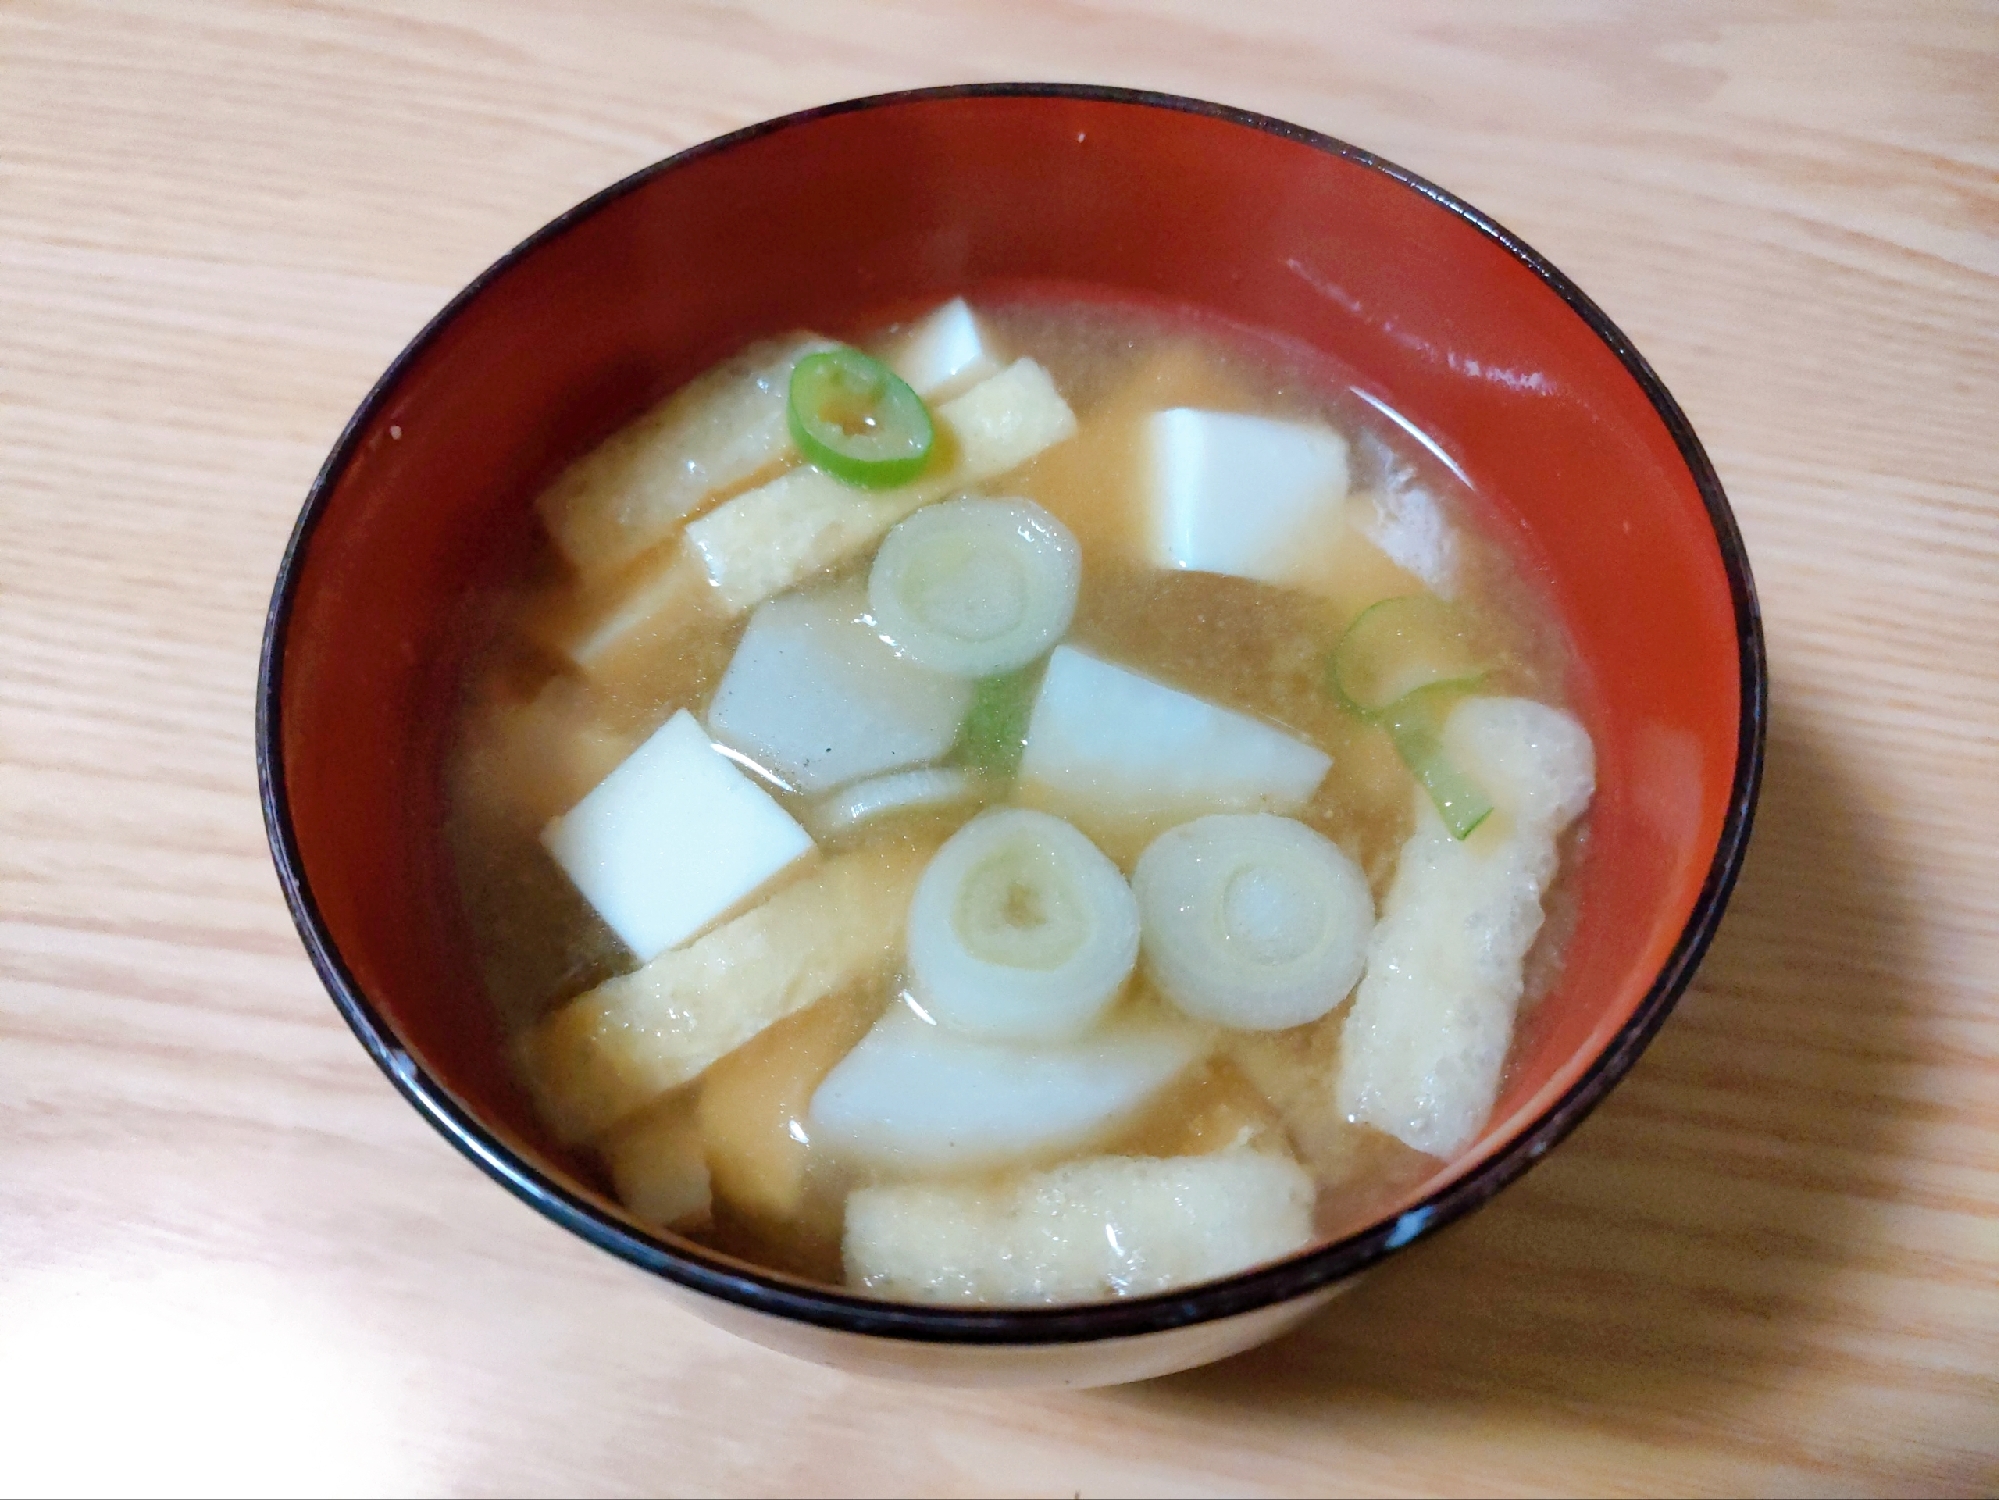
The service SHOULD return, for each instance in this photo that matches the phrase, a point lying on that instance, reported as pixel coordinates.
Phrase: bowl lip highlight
(1282, 1281)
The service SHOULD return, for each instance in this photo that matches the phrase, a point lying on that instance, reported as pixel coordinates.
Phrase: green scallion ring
(1399, 646)
(1400, 666)
(1416, 725)
(854, 417)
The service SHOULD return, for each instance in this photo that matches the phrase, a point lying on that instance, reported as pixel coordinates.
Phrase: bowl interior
(824, 222)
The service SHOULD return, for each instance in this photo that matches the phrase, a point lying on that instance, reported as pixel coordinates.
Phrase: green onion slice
(858, 420)
(1400, 665)
(994, 734)
(1416, 725)
(1401, 646)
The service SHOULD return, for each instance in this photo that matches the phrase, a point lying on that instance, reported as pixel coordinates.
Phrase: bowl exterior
(1074, 1364)
(1586, 464)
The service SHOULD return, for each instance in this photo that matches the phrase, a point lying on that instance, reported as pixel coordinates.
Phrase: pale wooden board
(231, 1258)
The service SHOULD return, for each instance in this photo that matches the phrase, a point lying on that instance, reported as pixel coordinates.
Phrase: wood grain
(232, 1260)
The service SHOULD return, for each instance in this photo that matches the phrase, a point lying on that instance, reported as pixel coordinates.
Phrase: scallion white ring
(1021, 930)
(1251, 920)
(975, 587)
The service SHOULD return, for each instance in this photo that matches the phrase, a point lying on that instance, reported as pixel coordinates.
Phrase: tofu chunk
(617, 1048)
(770, 539)
(525, 760)
(1106, 746)
(818, 699)
(946, 353)
(715, 433)
(662, 598)
(1425, 1042)
(672, 839)
(652, 640)
(917, 1097)
(1252, 497)
(659, 1167)
(1097, 483)
(1111, 1226)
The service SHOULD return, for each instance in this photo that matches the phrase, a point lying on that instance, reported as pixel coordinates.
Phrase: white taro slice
(814, 698)
(881, 796)
(975, 587)
(1021, 930)
(1252, 921)
(918, 1098)
(1106, 744)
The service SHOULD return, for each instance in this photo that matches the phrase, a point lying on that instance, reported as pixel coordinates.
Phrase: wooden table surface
(232, 1260)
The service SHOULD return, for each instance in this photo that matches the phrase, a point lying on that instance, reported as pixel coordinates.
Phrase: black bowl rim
(1279, 1282)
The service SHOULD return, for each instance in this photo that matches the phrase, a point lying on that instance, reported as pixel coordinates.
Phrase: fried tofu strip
(659, 1166)
(624, 501)
(769, 539)
(615, 1049)
(1104, 1227)
(1423, 1048)
(719, 431)
(754, 1101)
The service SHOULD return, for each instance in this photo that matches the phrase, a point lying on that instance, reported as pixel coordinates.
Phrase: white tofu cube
(1296, 1073)
(918, 1097)
(1424, 1047)
(1104, 743)
(1252, 497)
(1113, 1226)
(817, 698)
(946, 353)
(671, 839)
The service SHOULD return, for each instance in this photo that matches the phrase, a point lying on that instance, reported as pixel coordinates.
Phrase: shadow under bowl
(1591, 473)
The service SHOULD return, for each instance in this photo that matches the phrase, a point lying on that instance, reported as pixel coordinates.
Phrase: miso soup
(1051, 800)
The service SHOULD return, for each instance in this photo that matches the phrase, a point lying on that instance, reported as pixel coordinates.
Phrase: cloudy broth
(536, 733)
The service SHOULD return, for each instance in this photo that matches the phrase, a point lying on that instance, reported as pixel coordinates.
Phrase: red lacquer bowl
(824, 218)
